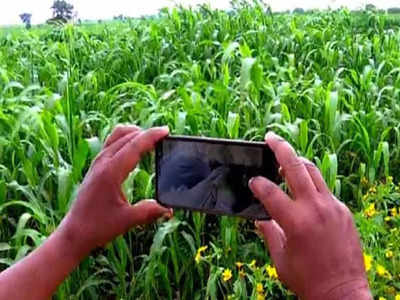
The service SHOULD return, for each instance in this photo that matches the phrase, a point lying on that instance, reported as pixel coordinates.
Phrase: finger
(119, 144)
(119, 132)
(275, 240)
(276, 202)
(144, 212)
(316, 176)
(129, 155)
(297, 177)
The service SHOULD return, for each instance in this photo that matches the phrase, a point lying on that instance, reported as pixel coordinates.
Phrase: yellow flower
(226, 275)
(387, 218)
(393, 212)
(364, 181)
(271, 272)
(252, 264)
(383, 272)
(389, 254)
(260, 297)
(198, 254)
(367, 262)
(390, 290)
(382, 298)
(397, 297)
(370, 211)
(242, 274)
(372, 189)
(260, 288)
(239, 264)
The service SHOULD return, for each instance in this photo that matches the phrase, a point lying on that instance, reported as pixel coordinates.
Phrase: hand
(312, 238)
(101, 211)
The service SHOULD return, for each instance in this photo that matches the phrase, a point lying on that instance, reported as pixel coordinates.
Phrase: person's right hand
(312, 238)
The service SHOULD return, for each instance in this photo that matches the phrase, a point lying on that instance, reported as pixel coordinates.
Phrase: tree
(370, 7)
(394, 10)
(298, 10)
(62, 11)
(26, 19)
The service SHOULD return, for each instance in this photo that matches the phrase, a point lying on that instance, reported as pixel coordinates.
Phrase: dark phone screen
(212, 176)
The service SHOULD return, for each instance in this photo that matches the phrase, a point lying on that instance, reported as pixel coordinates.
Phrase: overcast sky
(95, 9)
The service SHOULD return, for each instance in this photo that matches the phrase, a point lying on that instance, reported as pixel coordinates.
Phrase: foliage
(327, 82)
(394, 10)
(26, 19)
(62, 11)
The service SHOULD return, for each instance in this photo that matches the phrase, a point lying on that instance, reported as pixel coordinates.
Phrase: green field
(329, 82)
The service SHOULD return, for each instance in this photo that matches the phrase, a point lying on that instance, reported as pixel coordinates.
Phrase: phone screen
(212, 175)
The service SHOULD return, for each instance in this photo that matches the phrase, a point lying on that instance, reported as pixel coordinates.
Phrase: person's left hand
(101, 211)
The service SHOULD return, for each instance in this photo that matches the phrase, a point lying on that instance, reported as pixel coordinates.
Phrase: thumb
(275, 240)
(145, 212)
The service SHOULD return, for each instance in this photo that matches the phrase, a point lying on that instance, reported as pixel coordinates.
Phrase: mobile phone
(211, 175)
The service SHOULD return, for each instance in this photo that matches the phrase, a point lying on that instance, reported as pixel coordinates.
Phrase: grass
(329, 82)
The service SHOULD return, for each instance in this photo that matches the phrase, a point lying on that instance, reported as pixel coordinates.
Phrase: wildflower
(226, 275)
(239, 265)
(252, 264)
(372, 190)
(370, 211)
(260, 297)
(382, 298)
(389, 179)
(260, 288)
(242, 273)
(390, 290)
(389, 254)
(198, 254)
(364, 180)
(397, 297)
(365, 196)
(387, 218)
(382, 271)
(271, 272)
(393, 212)
(367, 262)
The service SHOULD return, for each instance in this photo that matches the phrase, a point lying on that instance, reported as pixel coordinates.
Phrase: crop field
(329, 82)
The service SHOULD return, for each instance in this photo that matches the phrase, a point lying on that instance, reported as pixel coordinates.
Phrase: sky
(95, 9)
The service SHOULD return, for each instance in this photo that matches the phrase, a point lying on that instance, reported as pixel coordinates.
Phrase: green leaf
(233, 125)
(245, 72)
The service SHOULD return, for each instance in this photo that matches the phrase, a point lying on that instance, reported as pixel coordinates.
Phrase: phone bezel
(159, 152)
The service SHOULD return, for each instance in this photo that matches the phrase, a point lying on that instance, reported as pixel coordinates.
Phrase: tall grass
(328, 82)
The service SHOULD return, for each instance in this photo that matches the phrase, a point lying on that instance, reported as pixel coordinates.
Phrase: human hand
(101, 211)
(312, 238)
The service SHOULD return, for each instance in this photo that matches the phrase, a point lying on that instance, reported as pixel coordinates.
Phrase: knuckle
(103, 173)
(293, 164)
(118, 128)
(266, 190)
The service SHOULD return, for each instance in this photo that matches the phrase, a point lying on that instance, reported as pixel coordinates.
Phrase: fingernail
(169, 214)
(251, 181)
(273, 135)
(166, 128)
(269, 134)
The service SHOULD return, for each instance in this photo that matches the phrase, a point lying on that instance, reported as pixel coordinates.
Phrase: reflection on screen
(213, 177)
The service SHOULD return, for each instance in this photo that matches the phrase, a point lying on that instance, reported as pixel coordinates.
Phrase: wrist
(69, 235)
(353, 289)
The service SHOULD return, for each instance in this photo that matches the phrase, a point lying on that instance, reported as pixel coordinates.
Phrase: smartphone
(211, 175)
